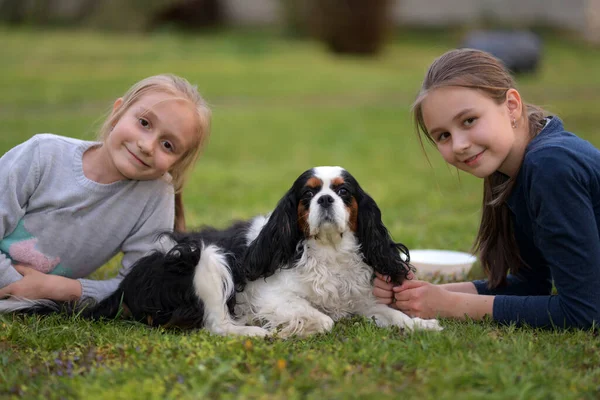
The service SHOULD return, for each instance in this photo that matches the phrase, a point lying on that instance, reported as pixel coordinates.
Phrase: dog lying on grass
(294, 272)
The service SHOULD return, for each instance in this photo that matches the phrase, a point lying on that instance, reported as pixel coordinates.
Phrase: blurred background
(299, 17)
(297, 83)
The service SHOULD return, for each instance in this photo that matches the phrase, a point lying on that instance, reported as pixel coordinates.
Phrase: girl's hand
(382, 288)
(423, 299)
(37, 285)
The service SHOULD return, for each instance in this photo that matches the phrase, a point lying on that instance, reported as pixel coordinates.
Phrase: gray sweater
(57, 221)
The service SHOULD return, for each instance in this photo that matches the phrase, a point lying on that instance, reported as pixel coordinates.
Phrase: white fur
(328, 173)
(327, 284)
(213, 283)
(316, 217)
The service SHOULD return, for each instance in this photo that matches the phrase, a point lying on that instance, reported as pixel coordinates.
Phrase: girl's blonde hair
(181, 89)
(478, 70)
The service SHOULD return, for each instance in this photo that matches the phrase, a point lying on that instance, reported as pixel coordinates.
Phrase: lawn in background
(281, 107)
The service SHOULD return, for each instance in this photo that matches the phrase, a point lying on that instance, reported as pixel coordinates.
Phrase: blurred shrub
(345, 26)
(124, 15)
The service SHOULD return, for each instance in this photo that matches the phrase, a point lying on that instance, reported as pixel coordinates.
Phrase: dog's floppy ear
(378, 249)
(275, 246)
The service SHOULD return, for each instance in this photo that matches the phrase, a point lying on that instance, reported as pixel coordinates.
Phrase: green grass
(281, 107)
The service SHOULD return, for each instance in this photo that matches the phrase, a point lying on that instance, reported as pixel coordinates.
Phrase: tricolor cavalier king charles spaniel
(294, 272)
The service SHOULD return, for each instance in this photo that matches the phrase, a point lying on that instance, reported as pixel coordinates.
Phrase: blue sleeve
(558, 195)
(527, 283)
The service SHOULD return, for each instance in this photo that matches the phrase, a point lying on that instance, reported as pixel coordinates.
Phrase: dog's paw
(426, 324)
(306, 326)
(249, 331)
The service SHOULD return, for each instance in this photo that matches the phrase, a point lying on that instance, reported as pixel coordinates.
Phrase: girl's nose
(461, 143)
(145, 145)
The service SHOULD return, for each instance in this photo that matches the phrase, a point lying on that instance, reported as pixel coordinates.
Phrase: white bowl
(445, 262)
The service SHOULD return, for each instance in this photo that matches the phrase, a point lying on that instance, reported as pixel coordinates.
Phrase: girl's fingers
(386, 301)
(409, 285)
(403, 306)
(384, 278)
(378, 283)
(5, 292)
(382, 293)
(402, 296)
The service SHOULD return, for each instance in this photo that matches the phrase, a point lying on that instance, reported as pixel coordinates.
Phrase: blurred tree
(346, 26)
(128, 15)
(44, 12)
(191, 14)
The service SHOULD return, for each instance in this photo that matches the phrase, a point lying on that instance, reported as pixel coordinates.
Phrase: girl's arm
(158, 217)
(385, 291)
(19, 174)
(460, 287)
(425, 300)
(37, 285)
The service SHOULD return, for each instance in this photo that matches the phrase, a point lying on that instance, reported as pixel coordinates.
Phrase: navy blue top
(555, 207)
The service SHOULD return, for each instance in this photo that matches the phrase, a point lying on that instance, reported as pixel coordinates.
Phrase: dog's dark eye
(308, 194)
(342, 192)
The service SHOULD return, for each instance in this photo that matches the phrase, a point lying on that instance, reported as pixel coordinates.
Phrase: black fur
(158, 289)
(277, 245)
(378, 249)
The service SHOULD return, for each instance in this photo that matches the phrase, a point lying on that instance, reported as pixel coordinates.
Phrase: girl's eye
(144, 122)
(342, 192)
(443, 136)
(469, 121)
(168, 146)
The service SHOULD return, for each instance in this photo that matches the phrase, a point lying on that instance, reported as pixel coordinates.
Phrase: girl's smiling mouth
(137, 158)
(473, 160)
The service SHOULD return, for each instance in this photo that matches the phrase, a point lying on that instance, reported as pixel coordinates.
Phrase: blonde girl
(541, 201)
(71, 205)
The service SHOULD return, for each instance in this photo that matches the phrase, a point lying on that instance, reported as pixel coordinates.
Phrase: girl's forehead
(446, 100)
(153, 99)
(454, 93)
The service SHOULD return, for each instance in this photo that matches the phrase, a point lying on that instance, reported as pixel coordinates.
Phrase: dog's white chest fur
(332, 279)
(336, 281)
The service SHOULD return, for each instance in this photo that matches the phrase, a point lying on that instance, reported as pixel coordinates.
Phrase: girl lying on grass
(68, 206)
(541, 202)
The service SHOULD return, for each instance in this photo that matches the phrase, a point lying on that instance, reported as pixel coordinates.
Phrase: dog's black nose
(325, 201)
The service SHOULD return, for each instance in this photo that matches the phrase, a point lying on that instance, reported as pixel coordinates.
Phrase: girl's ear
(117, 105)
(514, 103)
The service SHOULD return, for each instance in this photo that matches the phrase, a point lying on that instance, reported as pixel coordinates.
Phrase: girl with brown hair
(540, 221)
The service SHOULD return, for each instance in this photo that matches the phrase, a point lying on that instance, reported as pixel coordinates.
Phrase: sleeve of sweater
(158, 217)
(527, 283)
(565, 230)
(19, 173)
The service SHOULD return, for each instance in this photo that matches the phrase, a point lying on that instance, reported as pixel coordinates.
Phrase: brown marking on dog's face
(337, 181)
(353, 212)
(314, 182)
(303, 219)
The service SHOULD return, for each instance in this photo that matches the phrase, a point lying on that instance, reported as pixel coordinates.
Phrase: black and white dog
(294, 272)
